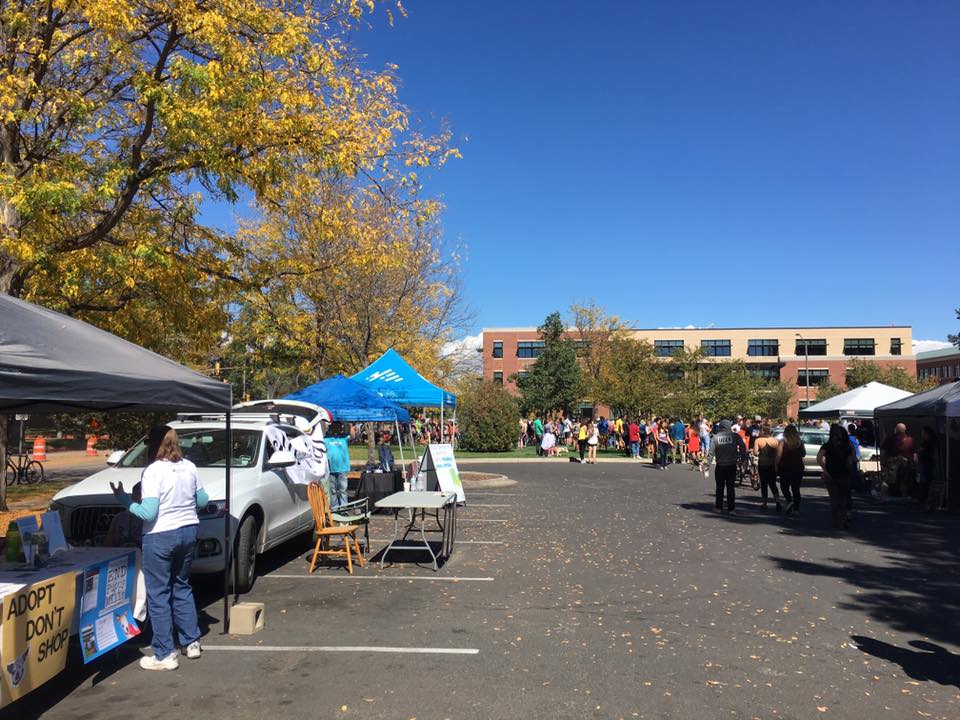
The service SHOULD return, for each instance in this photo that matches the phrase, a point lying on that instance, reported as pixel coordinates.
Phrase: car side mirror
(115, 458)
(282, 459)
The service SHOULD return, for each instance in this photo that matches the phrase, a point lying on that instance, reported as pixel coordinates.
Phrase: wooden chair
(325, 529)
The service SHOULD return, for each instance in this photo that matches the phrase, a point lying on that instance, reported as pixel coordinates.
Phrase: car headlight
(214, 509)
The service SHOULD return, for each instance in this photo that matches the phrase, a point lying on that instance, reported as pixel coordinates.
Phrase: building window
(530, 348)
(498, 378)
(667, 348)
(807, 403)
(763, 348)
(859, 346)
(674, 374)
(498, 348)
(896, 347)
(811, 347)
(817, 377)
(765, 372)
(715, 348)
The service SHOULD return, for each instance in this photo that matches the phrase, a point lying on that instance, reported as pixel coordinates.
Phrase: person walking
(765, 450)
(790, 454)
(171, 493)
(664, 444)
(593, 440)
(836, 459)
(582, 439)
(728, 449)
(678, 433)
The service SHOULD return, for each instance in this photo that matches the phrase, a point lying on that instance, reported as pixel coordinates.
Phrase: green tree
(684, 393)
(487, 415)
(861, 371)
(632, 380)
(596, 333)
(554, 380)
(827, 390)
(955, 339)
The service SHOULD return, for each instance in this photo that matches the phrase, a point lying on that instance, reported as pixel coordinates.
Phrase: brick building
(942, 365)
(805, 357)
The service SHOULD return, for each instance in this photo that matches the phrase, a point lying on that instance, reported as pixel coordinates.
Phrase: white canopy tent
(858, 403)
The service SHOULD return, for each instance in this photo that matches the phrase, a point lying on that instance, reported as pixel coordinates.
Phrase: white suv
(268, 492)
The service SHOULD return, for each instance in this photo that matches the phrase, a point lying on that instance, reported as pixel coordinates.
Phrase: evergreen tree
(554, 380)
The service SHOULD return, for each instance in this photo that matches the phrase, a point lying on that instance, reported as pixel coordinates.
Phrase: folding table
(420, 503)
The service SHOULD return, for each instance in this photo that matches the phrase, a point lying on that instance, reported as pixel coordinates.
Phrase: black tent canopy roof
(51, 362)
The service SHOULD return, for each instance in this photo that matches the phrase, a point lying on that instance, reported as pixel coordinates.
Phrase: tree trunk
(3, 462)
(372, 443)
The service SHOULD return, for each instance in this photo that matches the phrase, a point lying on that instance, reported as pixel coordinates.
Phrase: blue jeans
(338, 489)
(664, 450)
(167, 557)
(634, 449)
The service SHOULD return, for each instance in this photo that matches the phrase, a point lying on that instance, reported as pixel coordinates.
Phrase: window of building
(498, 378)
(674, 374)
(859, 346)
(498, 348)
(715, 348)
(895, 347)
(811, 347)
(530, 348)
(807, 403)
(666, 348)
(816, 377)
(765, 372)
(763, 348)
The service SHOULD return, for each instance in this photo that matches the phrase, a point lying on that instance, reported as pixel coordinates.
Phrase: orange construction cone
(40, 449)
(91, 441)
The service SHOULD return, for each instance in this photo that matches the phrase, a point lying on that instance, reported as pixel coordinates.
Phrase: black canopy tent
(50, 362)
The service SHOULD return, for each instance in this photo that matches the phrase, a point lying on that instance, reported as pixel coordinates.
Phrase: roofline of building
(755, 327)
(935, 354)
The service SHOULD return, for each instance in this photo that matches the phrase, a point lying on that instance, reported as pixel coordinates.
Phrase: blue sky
(725, 163)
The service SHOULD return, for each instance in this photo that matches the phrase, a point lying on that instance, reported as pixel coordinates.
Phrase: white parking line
(466, 519)
(472, 505)
(474, 492)
(459, 542)
(343, 648)
(377, 577)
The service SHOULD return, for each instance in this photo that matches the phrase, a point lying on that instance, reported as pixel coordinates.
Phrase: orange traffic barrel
(91, 442)
(40, 449)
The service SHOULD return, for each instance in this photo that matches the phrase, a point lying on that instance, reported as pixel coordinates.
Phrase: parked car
(313, 414)
(813, 438)
(268, 490)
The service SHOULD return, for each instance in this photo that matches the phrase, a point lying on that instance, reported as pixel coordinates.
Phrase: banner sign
(439, 459)
(35, 631)
(106, 615)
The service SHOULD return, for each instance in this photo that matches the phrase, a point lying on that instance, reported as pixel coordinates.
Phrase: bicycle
(22, 470)
(747, 470)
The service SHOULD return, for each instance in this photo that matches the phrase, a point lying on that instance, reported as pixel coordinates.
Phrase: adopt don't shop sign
(35, 629)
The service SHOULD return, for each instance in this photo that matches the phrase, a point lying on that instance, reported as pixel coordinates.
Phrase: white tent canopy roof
(859, 402)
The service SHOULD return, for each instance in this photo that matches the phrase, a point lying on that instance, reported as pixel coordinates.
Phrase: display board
(106, 614)
(35, 630)
(440, 464)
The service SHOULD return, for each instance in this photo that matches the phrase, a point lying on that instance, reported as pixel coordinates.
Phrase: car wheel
(245, 555)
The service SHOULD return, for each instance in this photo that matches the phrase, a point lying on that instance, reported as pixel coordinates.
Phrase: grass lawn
(358, 453)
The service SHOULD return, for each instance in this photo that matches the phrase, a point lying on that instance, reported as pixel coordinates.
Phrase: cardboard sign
(36, 631)
(438, 460)
(106, 614)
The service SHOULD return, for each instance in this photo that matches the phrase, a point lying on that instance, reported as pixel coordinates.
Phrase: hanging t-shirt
(175, 484)
(338, 454)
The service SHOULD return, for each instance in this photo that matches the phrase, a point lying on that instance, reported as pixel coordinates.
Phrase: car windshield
(205, 448)
(814, 438)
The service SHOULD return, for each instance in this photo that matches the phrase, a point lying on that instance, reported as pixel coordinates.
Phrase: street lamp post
(806, 366)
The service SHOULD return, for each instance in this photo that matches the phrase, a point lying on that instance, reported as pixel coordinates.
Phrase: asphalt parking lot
(606, 591)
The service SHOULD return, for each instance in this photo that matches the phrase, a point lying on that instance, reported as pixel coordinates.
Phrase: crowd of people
(770, 454)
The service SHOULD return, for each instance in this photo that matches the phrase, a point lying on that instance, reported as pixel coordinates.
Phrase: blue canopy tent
(350, 401)
(395, 379)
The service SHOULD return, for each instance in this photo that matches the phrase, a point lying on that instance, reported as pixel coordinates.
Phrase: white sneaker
(170, 662)
(193, 650)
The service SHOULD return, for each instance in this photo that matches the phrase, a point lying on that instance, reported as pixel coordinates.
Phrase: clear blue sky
(727, 163)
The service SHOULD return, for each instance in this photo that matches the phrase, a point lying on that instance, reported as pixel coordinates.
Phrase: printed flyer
(106, 615)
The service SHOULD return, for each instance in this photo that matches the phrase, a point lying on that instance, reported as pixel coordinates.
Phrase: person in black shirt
(837, 459)
(728, 448)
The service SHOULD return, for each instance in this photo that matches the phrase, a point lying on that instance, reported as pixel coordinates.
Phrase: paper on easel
(438, 460)
(27, 525)
(50, 522)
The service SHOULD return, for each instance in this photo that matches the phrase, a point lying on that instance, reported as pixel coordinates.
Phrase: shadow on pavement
(928, 662)
(914, 588)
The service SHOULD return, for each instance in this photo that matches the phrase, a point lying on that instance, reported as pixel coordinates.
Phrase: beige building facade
(804, 357)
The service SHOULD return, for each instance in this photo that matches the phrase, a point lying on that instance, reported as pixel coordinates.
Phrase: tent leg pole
(441, 420)
(227, 545)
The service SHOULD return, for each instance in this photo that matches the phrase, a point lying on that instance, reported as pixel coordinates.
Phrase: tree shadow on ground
(928, 662)
(913, 588)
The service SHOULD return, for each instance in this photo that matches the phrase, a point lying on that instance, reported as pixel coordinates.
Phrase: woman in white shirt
(171, 492)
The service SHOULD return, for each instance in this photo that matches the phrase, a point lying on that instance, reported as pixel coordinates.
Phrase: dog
(18, 668)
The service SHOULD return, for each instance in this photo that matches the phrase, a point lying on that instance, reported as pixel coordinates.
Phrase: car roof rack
(279, 418)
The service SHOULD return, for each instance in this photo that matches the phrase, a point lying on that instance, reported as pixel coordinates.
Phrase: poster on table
(35, 631)
(439, 459)
(106, 614)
